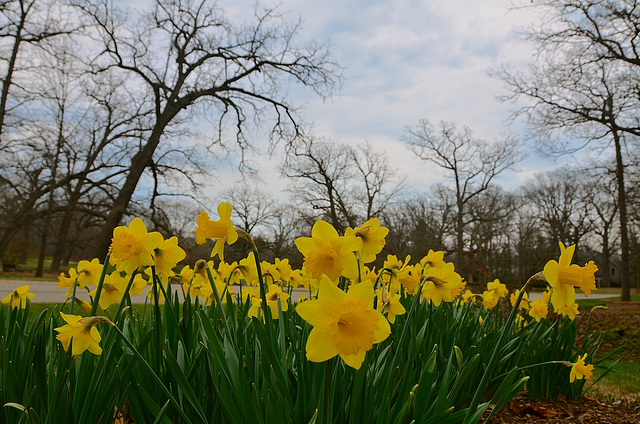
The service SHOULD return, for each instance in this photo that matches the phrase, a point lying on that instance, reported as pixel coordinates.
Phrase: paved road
(46, 292)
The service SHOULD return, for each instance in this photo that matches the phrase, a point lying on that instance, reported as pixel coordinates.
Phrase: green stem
(494, 356)
(73, 295)
(124, 296)
(155, 376)
(96, 299)
(326, 394)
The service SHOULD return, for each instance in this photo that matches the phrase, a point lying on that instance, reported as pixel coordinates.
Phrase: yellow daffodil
(274, 293)
(372, 235)
(167, 255)
(283, 267)
(389, 304)
(562, 276)
(112, 289)
(222, 230)
(83, 333)
(580, 370)
(524, 302)
(539, 309)
(401, 273)
(131, 246)
(270, 273)
(489, 299)
(68, 282)
(207, 292)
(89, 273)
(18, 297)
(325, 252)
(467, 296)
(249, 269)
(568, 310)
(433, 259)
(344, 324)
(441, 284)
(499, 288)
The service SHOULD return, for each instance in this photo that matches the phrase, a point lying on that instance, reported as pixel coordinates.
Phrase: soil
(620, 326)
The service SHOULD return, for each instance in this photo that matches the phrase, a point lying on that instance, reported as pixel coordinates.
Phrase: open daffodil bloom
(344, 324)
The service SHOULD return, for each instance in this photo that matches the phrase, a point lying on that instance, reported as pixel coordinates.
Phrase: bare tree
(25, 23)
(472, 163)
(560, 205)
(345, 184)
(584, 84)
(600, 193)
(254, 207)
(182, 54)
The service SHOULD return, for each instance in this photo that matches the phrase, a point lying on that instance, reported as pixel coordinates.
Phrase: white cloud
(406, 60)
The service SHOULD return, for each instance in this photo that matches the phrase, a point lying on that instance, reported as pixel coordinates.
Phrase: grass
(623, 382)
(590, 303)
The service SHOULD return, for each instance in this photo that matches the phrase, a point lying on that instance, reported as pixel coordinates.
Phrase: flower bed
(403, 343)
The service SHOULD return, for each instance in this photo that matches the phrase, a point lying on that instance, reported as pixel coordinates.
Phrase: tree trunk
(139, 163)
(6, 84)
(606, 262)
(622, 205)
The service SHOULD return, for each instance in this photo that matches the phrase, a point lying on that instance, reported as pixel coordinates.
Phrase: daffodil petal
(319, 347)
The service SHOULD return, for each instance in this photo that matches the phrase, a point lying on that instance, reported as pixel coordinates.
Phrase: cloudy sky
(404, 60)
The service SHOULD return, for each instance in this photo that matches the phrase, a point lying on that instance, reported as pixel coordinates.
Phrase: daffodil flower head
(389, 303)
(131, 247)
(580, 370)
(489, 299)
(273, 294)
(68, 282)
(167, 255)
(539, 309)
(524, 302)
(499, 288)
(433, 259)
(18, 297)
(568, 310)
(325, 252)
(372, 235)
(467, 296)
(83, 333)
(89, 273)
(344, 324)
(563, 276)
(441, 284)
(112, 289)
(222, 230)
